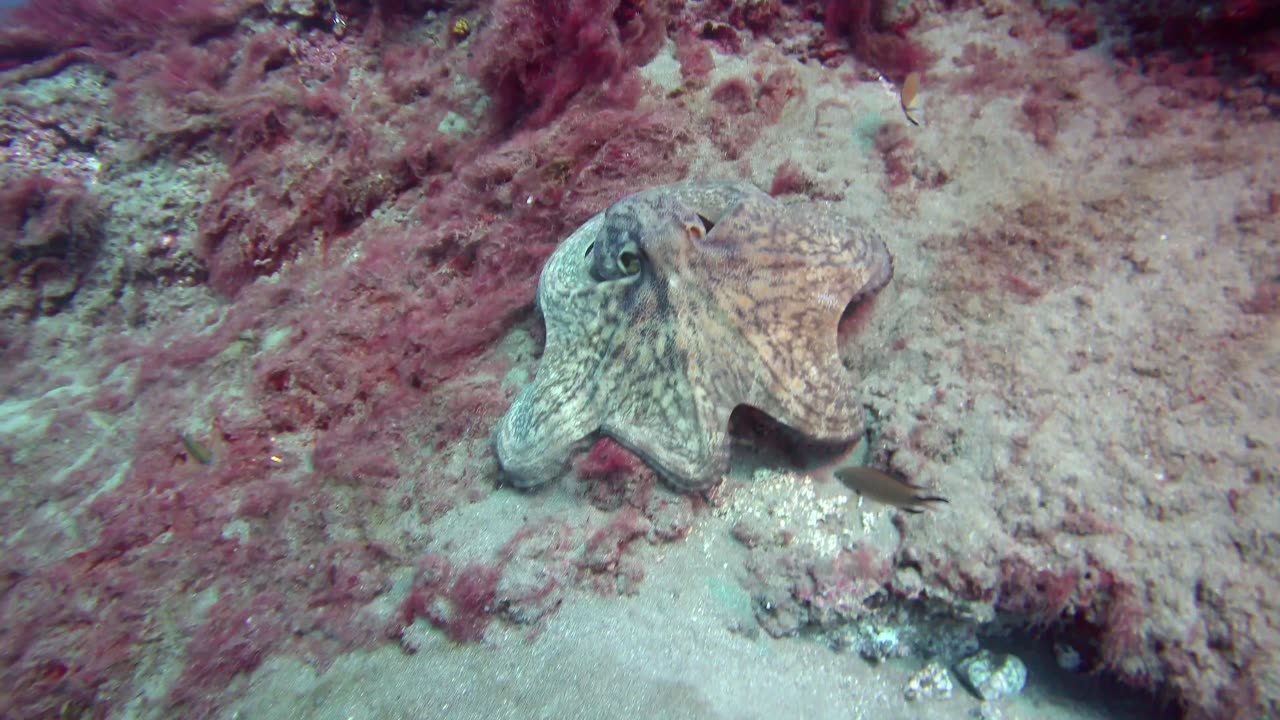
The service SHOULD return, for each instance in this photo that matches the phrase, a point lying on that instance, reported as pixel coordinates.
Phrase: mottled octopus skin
(678, 304)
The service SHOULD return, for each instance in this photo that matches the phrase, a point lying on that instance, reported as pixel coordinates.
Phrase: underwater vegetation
(268, 275)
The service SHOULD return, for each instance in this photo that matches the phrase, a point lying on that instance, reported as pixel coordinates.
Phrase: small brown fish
(887, 488)
(909, 95)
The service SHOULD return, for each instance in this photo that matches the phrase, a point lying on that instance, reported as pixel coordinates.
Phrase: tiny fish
(887, 488)
(909, 95)
(198, 452)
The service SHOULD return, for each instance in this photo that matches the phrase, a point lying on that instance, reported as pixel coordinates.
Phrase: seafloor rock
(50, 232)
(993, 676)
(933, 681)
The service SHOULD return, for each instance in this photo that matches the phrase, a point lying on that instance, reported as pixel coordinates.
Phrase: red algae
(695, 59)
(539, 56)
(875, 37)
(112, 26)
(788, 179)
(472, 595)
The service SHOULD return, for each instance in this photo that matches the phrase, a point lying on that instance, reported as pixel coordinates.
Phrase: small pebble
(987, 711)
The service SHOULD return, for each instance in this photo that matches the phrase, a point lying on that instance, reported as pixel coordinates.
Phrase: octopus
(675, 306)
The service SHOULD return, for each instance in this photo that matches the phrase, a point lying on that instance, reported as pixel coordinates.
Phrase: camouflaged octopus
(678, 304)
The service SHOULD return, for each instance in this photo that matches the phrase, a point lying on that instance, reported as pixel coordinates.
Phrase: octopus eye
(616, 252)
(629, 261)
